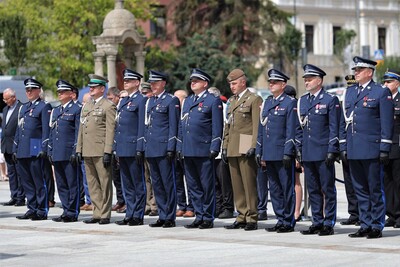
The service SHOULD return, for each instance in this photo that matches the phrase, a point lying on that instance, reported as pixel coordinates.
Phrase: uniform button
(309, 136)
(267, 135)
(355, 131)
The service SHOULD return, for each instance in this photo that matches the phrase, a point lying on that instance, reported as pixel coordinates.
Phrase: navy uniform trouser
(133, 187)
(162, 174)
(322, 192)
(262, 190)
(68, 187)
(281, 188)
(34, 184)
(200, 177)
(16, 189)
(367, 178)
(184, 203)
(352, 202)
(392, 189)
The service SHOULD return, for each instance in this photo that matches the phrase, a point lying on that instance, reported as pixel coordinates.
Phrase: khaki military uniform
(95, 137)
(243, 118)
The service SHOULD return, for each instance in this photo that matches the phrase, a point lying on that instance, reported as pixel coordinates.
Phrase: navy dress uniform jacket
(320, 132)
(371, 129)
(129, 128)
(201, 126)
(32, 135)
(161, 119)
(128, 139)
(64, 131)
(277, 128)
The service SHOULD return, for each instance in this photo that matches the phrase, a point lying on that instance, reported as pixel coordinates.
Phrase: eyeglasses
(6, 99)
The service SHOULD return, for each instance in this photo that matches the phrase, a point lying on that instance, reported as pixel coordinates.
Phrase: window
(382, 38)
(158, 25)
(309, 38)
(335, 31)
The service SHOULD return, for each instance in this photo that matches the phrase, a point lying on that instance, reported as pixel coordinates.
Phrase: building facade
(376, 23)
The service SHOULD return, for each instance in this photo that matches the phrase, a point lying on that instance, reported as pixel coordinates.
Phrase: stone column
(111, 67)
(98, 63)
(140, 56)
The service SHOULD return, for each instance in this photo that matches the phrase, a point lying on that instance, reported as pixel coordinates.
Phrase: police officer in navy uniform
(391, 80)
(30, 149)
(161, 120)
(368, 110)
(319, 117)
(352, 202)
(276, 150)
(129, 148)
(64, 124)
(199, 143)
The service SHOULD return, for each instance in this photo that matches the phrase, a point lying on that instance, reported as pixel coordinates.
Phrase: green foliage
(289, 45)
(15, 41)
(343, 39)
(243, 26)
(392, 63)
(59, 34)
(203, 51)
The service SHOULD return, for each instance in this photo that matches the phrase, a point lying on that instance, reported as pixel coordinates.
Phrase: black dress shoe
(26, 216)
(58, 219)
(312, 230)
(251, 227)
(358, 223)
(374, 233)
(262, 216)
(327, 230)
(396, 225)
(298, 219)
(285, 229)
(20, 203)
(390, 222)
(193, 225)
(206, 225)
(10, 203)
(360, 233)
(158, 223)
(226, 214)
(104, 221)
(153, 213)
(274, 229)
(125, 221)
(169, 224)
(68, 219)
(236, 225)
(135, 222)
(349, 222)
(91, 220)
(36, 217)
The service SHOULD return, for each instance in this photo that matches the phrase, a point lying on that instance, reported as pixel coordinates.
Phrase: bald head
(181, 94)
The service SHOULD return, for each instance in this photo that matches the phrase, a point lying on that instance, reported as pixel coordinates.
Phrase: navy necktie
(360, 89)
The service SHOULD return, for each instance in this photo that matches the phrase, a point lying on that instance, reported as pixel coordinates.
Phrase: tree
(203, 51)
(343, 39)
(244, 27)
(392, 63)
(59, 35)
(15, 40)
(288, 47)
